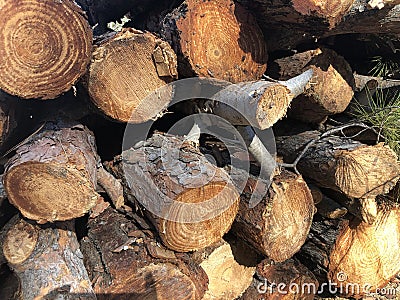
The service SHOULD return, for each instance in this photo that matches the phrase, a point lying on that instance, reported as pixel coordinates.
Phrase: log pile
(202, 150)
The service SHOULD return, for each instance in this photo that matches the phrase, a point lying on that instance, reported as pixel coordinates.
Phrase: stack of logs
(74, 224)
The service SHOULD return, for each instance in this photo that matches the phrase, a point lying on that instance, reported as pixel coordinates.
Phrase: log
(356, 257)
(229, 268)
(341, 164)
(191, 202)
(47, 261)
(45, 46)
(278, 225)
(257, 103)
(217, 39)
(52, 176)
(330, 89)
(287, 25)
(126, 262)
(285, 280)
(125, 72)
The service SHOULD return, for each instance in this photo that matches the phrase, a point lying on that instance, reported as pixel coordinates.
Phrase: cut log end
(358, 175)
(277, 226)
(184, 236)
(227, 278)
(19, 242)
(121, 93)
(292, 208)
(366, 255)
(273, 105)
(30, 68)
(221, 39)
(48, 192)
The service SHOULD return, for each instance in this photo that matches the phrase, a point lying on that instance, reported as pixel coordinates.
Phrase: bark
(341, 164)
(316, 193)
(278, 225)
(45, 46)
(354, 254)
(52, 176)
(8, 117)
(329, 208)
(11, 288)
(191, 202)
(217, 39)
(112, 186)
(126, 262)
(287, 25)
(329, 90)
(286, 280)
(47, 261)
(126, 72)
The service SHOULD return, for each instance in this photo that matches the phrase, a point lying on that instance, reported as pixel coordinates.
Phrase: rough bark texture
(52, 176)
(287, 24)
(329, 90)
(47, 261)
(126, 262)
(278, 281)
(45, 47)
(218, 39)
(278, 225)
(329, 208)
(8, 117)
(343, 165)
(191, 202)
(125, 72)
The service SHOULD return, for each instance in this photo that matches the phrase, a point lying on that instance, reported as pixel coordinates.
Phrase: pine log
(329, 90)
(229, 268)
(47, 261)
(278, 225)
(217, 39)
(278, 281)
(289, 24)
(191, 202)
(126, 262)
(356, 257)
(45, 47)
(125, 72)
(52, 176)
(341, 164)
(257, 103)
